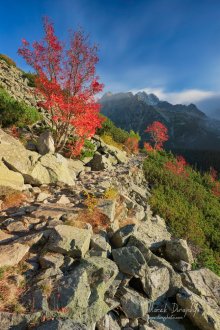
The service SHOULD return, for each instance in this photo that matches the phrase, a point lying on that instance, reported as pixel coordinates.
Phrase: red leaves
(158, 134)
(132, 144)
(178, 166)
(66, 84)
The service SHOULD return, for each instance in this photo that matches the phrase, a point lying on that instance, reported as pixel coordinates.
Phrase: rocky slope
(12, 80)
(189, 128)
(84, 250)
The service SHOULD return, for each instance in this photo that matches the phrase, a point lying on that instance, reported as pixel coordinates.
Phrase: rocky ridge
(11, 79)
(87, 249)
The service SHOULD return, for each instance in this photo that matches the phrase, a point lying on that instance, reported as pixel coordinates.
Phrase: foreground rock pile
(91, 255)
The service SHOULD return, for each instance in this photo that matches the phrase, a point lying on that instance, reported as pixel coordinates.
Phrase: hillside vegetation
(189, 202)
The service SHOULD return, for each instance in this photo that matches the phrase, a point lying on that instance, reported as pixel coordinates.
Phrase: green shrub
(188, 205)
(88, 150)
(17, 113)
(118, 134)
(7, 59)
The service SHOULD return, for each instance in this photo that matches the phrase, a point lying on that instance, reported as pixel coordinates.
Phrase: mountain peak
(149, 99)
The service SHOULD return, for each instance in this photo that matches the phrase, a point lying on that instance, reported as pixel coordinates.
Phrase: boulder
(200, 313)
(108, 322)
(177, 250)
(121, 236)
(205, 284)
(99, 162)
(9, 180)
(99, 242)
(51, 260)
(50, 169)
(107, 207)
(152, 233)
(83, 290)
(76, 166)
(12, 254)
(156, 282)
(13, 153)
(69, 240)
(57, 324)
(71, 291)
(156, 264)
(130, 260)
(34, 168)
(45, 143)
(133, 304)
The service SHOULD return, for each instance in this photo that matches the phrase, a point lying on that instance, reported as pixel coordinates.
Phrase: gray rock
(130, 260)
(156, 282)
(9, 180)
(204, 283)
(133, 304)
(12, 254)
(66, 324)
(107, 207)
(99, 162)
(69, 240)
(121, 236)
(51, 260)
(99, 242)
(45, 143)
(177, 250)
(108, 322)
(198, 310)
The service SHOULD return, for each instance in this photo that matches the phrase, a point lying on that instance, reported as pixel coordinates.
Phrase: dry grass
(10, 291)
(13, 200)
(95, 218)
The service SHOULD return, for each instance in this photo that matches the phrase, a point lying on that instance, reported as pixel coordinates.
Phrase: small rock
(63, 200)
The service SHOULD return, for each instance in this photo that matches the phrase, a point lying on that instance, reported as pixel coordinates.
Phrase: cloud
(184, 97)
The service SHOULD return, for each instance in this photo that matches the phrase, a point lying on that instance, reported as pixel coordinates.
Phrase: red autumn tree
(66, 84)
(158, 135)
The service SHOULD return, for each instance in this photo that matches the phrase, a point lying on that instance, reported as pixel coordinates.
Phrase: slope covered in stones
(89, 253)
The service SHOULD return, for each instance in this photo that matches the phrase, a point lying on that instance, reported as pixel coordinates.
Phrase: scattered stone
(42, 196)
(63, 200)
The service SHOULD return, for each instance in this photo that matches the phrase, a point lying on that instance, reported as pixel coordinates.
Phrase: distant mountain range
(189, 128)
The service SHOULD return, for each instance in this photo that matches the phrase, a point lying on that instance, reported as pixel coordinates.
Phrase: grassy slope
(188, 205)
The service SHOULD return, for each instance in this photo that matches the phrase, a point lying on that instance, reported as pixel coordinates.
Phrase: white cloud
(184, 97)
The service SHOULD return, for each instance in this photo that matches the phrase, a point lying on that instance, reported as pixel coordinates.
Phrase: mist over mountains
(189, 127)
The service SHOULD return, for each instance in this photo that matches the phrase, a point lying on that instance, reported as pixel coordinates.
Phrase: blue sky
(170, 47)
